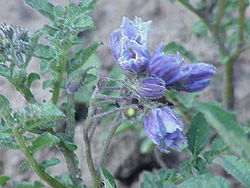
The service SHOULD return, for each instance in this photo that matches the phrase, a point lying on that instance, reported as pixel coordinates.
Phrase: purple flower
(164, 65)
(194, 77)
(128, 45)
(164, 128)
(152, 88)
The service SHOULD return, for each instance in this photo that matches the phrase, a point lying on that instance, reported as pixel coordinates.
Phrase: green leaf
(108, 179)
(50, 162)
(199, 28)
(237, 167)
(123, 127)
(44, 52)
(198, 134)
(32, 77)
(82, 56)
(4, 179)
(174, 47)
(44, 65)
(217, 147)
(38, 114)
(8, 143)
(44, 140)
(227, 127)
(18, 77)
(146, 146)
(204, 181)
(4, 71)
(43, 7)
(24, 165)
(4, 106)
(48, 84)
(36, 184)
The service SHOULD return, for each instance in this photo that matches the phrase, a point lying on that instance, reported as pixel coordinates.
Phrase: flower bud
(164, 65)
(72, 87)
(194, 77)
(164, 128)
(152, 88)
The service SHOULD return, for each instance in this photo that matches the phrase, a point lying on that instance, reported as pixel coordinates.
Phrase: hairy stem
(57, 86)
(29, 97)
(88, 122)
(32, 161)
(241, 23)
(107, 142)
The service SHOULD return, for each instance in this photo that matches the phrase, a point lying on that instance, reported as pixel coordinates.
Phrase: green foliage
(50, 162)
(146, 146)
(45, 139)
(227, 126)
(198, 134)
(9, 143)
(83, 55)
(4, 106)
(237, 167)
(4, 179)
(45, 52)
(163, 178)
(108, 179)
(174, 47)
(217, 147)
(204, 181)
(199, 28)
(38, 114)
(43, 7)
(36, 184)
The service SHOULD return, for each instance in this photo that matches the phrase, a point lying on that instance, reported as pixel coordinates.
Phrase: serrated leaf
(24, 165)
(43, 7)
(4, 71)
(44, 140)
(38, 114)
(50, 162)
(4, 179)
(18, 77)
(198, 134)
(32, 77)
(4, 106)
(227, 127)
(44, 52)
(8, 143)
(237, 167)
(174, 47)
(108, 179)
(82, 56)
(204, 181)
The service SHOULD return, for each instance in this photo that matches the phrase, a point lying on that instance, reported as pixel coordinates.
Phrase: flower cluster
(155, 74)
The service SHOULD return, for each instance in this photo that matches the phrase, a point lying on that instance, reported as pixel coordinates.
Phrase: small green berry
(130, 112)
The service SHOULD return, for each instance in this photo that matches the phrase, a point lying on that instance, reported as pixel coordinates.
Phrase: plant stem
(32, 161)
(57, 86)
(29, 97)
(241, 23)
(105, 150)
(70, 123)
(88, 122)
(215, 29)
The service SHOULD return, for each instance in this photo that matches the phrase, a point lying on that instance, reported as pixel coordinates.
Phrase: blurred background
(170, 22)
